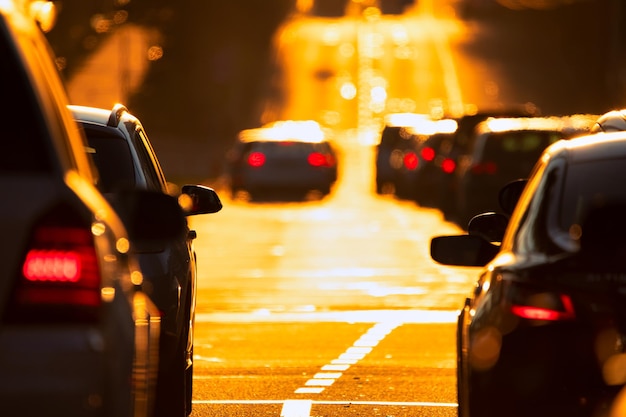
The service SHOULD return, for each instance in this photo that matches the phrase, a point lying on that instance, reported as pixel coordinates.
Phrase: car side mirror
(510, 194)
(201, 200)
(490, 226)
(462, 250)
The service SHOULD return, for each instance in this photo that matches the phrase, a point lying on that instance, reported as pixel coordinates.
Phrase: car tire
(462, 365)
(171, 398)
(189, 387)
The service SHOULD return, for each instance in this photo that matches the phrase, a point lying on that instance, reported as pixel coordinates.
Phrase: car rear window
(517, 147)
(580, 194)
(113, 160)
(24, 148)
(286, 149)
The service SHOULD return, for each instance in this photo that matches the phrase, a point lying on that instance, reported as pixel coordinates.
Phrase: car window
(533, 235)
(112, 158)
(24, 146)
(148, 162)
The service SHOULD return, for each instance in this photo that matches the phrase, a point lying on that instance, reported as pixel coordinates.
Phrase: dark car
(287, 159)
(502, 150)
(78, 336)
(543, 332)
(125, 159)
(456, 146)
(396, 149)
(418, 175)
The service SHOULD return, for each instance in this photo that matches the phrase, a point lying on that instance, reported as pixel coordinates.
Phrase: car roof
(307, 131)
(590, 147)
(103, 117)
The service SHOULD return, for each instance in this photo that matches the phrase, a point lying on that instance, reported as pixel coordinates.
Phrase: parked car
(543, 331)
(283, 159)
(78, 335)
(125, 158)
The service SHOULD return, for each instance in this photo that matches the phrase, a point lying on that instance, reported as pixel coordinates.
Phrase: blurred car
(453, 148)
(283, 159)
(394, 150)
(124, 157)
(543, 332)
(417, 177)
(503, 149)
(78, 336)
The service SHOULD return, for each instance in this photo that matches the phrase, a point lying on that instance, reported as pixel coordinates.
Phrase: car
(393, 150)
(419, 169)
(125, 158)
(543, 331)
(502, 150)
(285, 159)
(78, 334)
(452, 149)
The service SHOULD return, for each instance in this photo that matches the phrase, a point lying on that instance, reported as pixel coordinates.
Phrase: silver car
(78, 336)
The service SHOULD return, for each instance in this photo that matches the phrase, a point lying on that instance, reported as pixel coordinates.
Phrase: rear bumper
(65, 372)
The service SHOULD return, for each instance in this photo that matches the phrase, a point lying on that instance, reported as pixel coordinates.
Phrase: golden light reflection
(100, 23)
(614, 370)
(136, 278)
(485, 348)
(186, 202)
(348, 90)
(155, 53)
(332, 35)
(44, 13)
(98, 228)
(305, 130)
(107, 294)
(122, 245)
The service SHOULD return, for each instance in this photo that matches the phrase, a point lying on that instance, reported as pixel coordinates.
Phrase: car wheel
(171, 398)
(189, 387)
(461, 365)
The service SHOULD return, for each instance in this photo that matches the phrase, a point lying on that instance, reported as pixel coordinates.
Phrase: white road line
(296, 408)
(378, 403)
(357, 316)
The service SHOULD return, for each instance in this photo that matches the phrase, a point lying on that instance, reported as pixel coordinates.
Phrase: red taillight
(487, 168)
(428, 154)
(546, 307)
(256, 159)
(410, 161)
(448, 166)
(59, 278)
(318, 159)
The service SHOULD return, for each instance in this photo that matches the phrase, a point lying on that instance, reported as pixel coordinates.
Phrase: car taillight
(410, 161)
(256, 159)
(318, 159)
(59, 279)
(427, 153)
(487, 168)
(532, 304)
(448, 166)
